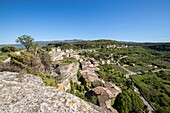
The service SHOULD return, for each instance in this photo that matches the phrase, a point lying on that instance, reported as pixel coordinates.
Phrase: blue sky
(123, 20)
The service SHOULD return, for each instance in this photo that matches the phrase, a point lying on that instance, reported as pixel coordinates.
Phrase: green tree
(128, 101)
(123, 103)
(26, 40)
(137, 103)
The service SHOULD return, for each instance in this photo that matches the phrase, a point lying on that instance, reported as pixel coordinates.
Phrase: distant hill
(42, 43)
(15, 45)
(160, 46)
(88, 44)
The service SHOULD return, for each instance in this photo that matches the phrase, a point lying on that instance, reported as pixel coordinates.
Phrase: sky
(122, 20)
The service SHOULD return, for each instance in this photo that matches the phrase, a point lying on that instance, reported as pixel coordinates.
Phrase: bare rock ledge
(27, 94)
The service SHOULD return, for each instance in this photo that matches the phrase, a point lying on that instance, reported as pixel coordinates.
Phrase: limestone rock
(66, 73)
(56, 54)
(27, 94)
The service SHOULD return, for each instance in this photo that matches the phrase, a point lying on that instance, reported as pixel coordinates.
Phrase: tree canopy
(128, 101)
(26, 40)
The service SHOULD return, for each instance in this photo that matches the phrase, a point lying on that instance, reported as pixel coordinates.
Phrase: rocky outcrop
(27, 93)
(56, 54)
(66, 73)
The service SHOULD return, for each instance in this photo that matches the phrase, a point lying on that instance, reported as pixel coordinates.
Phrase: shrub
(9, 49)
(47, 79)
(96, 83)
(94, 100)
(11, 68)
(112, 101)
(69, 60)
(80, 94)
(46, 61)
(27, 60)
(18, 64)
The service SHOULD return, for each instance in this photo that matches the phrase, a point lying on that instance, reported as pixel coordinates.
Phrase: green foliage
(34, 61)
(158, 46)
(18, 64)
(163, 110)
(76, 87)
(86, 83)
(156, 88)
(102, 74)
(35, 48)
(47, 79)
(79, 90)
(105, 70)
(137, 103)
(86, 44)
(139, 56)
(112, 101)
(28, 62)
(109, 72)
(3, 56)
(78, 75)
(73, 89)
(123, 103)
(30, 70)
(96, 83)
(143, 57)
(80, 94)
(164, 75)
(128, 101)
(26, 40)
(94, 100)
(8, 49)
(69, 60)
(46, 61)
(25, 58)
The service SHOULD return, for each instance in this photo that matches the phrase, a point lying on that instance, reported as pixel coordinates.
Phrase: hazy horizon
(90, 40)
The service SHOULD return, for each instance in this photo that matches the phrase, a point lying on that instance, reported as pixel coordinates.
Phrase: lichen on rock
(27, 93)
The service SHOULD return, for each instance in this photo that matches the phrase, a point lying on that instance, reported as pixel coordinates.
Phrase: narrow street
(129, 72)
